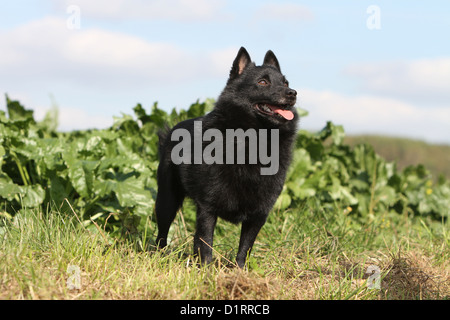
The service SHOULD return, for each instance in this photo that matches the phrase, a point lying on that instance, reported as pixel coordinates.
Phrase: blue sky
(393, 80)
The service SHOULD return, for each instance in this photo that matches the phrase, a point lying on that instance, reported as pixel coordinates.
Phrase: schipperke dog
(256, 103)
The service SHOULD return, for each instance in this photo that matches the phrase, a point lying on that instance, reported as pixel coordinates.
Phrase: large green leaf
(31, 196)
(81, 173)
(28, 196)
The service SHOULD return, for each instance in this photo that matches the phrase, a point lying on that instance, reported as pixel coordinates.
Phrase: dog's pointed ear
(241, 61)
(271, 60)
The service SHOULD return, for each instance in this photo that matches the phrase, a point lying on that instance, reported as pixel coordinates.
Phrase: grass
(303, 254)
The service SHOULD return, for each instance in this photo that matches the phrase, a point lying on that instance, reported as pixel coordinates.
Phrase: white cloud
(69, 117)
(99, 70)
(221, 61)
(425, 81)
(47, 50)
(374, 114)
(178, 10)
(73, 118)
(76, 118)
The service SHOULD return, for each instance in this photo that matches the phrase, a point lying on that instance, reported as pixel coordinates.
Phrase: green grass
(303, 254)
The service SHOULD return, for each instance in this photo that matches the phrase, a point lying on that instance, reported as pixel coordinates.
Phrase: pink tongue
(288, 115)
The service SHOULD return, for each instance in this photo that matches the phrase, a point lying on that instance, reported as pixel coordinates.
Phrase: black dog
(257, 101)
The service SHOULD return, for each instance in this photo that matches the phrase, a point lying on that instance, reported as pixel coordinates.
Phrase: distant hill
(405, 152)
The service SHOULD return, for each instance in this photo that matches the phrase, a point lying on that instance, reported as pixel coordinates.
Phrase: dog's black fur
(234, 192)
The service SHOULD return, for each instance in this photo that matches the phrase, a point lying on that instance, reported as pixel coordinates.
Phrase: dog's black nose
(291, 93)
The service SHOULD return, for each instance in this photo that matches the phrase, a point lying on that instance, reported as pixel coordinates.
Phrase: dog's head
(261, 90)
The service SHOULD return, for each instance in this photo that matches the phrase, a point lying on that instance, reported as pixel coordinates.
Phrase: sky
(375, 67)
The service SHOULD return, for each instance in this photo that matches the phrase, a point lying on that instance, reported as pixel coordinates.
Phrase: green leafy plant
(109, 175)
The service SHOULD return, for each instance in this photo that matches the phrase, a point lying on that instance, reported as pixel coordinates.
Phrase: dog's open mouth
(275, 110)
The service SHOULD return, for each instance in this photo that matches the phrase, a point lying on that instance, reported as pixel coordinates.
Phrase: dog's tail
(163, 133)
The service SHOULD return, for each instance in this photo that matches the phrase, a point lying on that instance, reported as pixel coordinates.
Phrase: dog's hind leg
(203, 239)
(168, 200)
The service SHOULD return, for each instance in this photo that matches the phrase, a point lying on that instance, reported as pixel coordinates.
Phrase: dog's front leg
(250, 229)
(203, 239)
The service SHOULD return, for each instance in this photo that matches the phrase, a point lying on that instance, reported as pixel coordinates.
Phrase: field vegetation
(83, 201)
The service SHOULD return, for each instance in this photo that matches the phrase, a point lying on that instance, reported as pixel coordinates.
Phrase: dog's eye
(286, 84)
(263, 82)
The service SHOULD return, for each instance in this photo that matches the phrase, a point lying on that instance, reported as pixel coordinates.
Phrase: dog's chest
(243, 190)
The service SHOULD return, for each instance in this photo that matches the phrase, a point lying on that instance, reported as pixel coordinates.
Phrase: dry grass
(413, 276)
